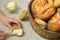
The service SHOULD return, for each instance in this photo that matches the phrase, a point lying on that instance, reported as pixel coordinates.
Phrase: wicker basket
(42, 32)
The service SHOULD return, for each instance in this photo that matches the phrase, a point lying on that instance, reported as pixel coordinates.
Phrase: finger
(17, 22)
(1, 35)
(9, 26)
(12, 19)
(1, 31)
(6, 33)
(2, 38)
(19, 25)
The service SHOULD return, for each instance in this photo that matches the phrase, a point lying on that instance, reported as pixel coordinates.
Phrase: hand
(2, 35)
(8, 20)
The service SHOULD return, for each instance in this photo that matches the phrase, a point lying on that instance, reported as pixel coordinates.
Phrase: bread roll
(41, 22)
(57, 3)
(54, 23)
(42, 9)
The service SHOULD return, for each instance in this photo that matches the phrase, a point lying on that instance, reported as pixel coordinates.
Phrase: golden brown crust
(51, 2)
(54, 18)
(43, 12)
(45, 9)
(54, 26)
(53, 23)
(57, 3)
(41, 22)
(45, 15)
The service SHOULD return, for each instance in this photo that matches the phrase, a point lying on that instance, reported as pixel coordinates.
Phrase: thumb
(8, 25)
(6, 33)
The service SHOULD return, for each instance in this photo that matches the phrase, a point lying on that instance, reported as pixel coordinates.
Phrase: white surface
(29, 33)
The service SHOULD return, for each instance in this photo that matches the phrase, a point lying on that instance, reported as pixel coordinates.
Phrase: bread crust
(54, 23)
(42, 10)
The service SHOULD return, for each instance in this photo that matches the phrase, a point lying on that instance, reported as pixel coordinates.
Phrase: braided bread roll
(43, 10)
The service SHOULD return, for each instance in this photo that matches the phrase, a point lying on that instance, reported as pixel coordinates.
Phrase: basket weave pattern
(42, 32)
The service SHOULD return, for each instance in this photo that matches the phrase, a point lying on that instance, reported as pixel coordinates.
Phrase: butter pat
(11, 6)
(18, 32)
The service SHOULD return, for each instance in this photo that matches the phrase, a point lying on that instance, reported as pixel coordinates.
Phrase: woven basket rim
(29, 9)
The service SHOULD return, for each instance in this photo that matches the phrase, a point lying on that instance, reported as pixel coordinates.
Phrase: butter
(18, 32)
(11, 6)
